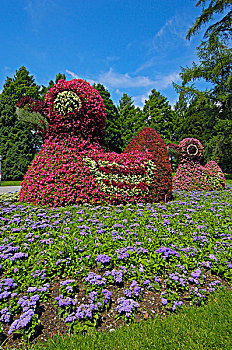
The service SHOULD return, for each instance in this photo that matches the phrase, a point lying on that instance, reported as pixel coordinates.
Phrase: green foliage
(158, 115)
(195, 120)
(204, 114)
(10, 183)
(129, 117)
(22, 84)
(207, 327)
(113, 141)
(45, 89)
(54, 253)
(219, 148)
(18, 144)
(31, 119)
(222, 26)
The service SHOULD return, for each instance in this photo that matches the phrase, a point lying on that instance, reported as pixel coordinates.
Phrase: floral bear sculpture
(72, 167)
(190, 174)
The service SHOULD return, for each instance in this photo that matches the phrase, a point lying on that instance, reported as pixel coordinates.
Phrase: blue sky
(129, 46)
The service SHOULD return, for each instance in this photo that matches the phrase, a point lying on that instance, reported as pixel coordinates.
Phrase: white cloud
(139, 100)
(112, 58)
(172, 33)
(37, 11)
(118, 80)
(75, 76)
(167, 80)
(148, 64)
(167, 26)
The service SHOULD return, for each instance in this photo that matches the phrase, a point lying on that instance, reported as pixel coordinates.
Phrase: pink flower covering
(85, 119)
(190, 174)
(71, 171)
(72, 167)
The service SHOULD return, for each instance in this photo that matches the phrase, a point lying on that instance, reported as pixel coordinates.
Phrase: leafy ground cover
(73, 269)
(192, 328)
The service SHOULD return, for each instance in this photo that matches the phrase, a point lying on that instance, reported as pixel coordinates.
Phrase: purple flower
(126, 306)
(107, 295)
(176, 303)
(118, 276)
(167, 251)
(196, 273)
(5, 315)
(103, 258)
(213, 257)
(85, 310)
(229, 264)
(23, 321)
(70, 318)
(31, 289)
(93, 278)
(92, 296)
(64, 301)
(156, 279)
(164, 301)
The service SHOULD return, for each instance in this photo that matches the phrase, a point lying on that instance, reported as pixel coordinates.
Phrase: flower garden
(97, 239)
(70, 269)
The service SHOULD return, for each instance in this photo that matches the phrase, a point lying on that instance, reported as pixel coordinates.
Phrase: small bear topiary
(190, 174)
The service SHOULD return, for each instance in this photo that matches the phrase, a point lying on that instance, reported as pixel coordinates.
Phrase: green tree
(158, 115)
(22, 84)
(18, 144)
(222, 26)
(214, 67)
(129, 118)
(113, 140)
(45, 89)
(212, 105)
(219, 147)
(193, 120)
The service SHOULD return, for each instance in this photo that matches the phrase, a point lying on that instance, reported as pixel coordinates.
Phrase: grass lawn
(118, 277)
(11, 183)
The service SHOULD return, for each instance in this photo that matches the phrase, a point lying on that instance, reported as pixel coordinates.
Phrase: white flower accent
(194, 149)
(67, 102)
(148, 177)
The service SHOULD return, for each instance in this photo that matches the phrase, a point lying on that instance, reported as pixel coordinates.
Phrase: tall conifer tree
(18, 144)
(158, 115)
(113, 140)
(129, 118)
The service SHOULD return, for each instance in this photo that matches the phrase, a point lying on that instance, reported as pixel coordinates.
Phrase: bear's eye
(192, 150)
(67, 102)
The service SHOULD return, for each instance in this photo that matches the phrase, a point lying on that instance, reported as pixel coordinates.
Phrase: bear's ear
(173, 150)
(32, 113)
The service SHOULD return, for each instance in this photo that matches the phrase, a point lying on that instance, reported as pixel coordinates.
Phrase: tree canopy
(158, 115)
(223, 26)
(206, 113)
(18, 144)
(113, 140)
(129, 118)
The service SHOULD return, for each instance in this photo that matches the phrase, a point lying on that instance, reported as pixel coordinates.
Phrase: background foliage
(205, 114)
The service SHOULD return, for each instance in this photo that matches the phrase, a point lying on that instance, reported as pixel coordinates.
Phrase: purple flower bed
(98, 266)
